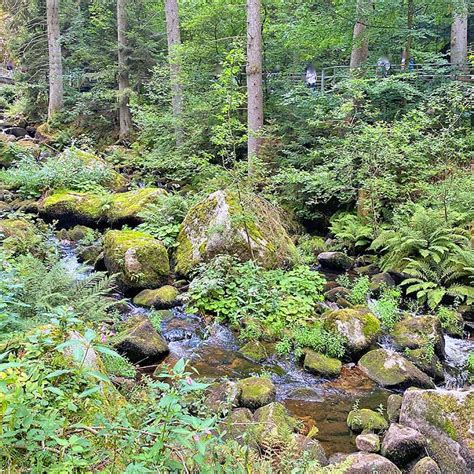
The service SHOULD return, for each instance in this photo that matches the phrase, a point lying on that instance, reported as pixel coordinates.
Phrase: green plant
(450, 320)
(386, 307)
(360, 290)
(320, 340)
(352, 232)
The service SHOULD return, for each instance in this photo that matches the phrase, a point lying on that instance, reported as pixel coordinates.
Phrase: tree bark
(174, 41)
(459, 35)
(125, 116)
(360, 43)
(410, 25)
(254, 76)
(56, 88)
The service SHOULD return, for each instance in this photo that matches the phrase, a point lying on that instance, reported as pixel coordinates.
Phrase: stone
(335, 261)
(402, 444)
(274, 426)
(238, 426)
(17, 132)
(309, 448)
(390, 369)
(90, 254)
(140, 342)
(255, 392)
(366, 463)
(381, 280)
(368, 270)
(446, 419)
(368, 443)
(365, 419)
(334, 294)
(215, 226)
(359, 327)
(139, 260)
(427, 362)
(162, 298)
(415, 332)
(19, 235)
(221, 397)
(425, 465)
(394, 404)
(320, 364)
(254, 350)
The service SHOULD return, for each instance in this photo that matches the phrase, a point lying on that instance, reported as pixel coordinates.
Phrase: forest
(237, 237)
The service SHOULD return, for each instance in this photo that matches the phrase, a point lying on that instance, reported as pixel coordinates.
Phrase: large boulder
(90, 208)
(255, 350)
(427, 361)
(446, 419)
(415, 332)
(320, 364)
(247, 228)
(366, 463)
(390, 369)
(140, 260)
(335, 261)
(19, 235)
(255, 392)
(402, 444)
(140, 342)
(161, 298)
(359, 327)
(310, 449)
(425, 465)
(394, 404)
(366, 420)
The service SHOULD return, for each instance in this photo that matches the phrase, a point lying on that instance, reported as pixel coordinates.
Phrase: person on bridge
(383, 67)
(311, 78)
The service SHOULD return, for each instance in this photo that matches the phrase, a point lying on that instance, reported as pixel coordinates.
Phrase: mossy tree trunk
(360, 45)
(459, 34)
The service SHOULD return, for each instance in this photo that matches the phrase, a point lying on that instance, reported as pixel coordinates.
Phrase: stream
(213, 350)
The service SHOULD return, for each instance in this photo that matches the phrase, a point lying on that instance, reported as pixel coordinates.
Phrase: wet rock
(162, 298)
(366, 463)
(311, 449)
(402, 444)
(17, 132)
(365, 419)
(90, 254)
(368, 443)
(239, 426)
(212, 227)
(427, 362)
(255, 392)
(394, 404)
(365, 260)
(446, 419)
(415, 332)
(390, 369)
(336, 293)
(452, 322)
(425, 465)
(335, 261)
(381, 280)
(254, 350)
(320, 364)
(360, 328)
(76, 234)
(140, 342)
(274, 426)
(368, 270)
(221, 397)
(140, 260)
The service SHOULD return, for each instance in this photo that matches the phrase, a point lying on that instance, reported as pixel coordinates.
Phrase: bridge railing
(6, 75)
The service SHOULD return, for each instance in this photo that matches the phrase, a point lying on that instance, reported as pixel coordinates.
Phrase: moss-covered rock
(414, 332)
(390, 369)
(140, 342)
(368, 443)
(18, 235)
(446, 419)
(394, 404)
(162, 298)
(77, 233)
(247, 228)
(255, 350)
(426, 361)
(310, 449)
(359, 327)
(255, 392)
(335, 261)
(239, 426)
(366, 420)
(425, 465)
(320, 364)
(140, 260)
(365, 463)
(402, 444)
(221, 397)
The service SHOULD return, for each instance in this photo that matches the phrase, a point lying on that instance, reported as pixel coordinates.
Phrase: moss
(254, 350)
(127, 205)
(162, 297)
(321, 364)
(84, 206)
(255, 392)
(365, 419)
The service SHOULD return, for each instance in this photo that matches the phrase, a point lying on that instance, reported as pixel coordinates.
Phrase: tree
(410, 25)
(174, 42)
(360, 43)
(125, 116)
(254, 76)
(56, 87)
(459, 34)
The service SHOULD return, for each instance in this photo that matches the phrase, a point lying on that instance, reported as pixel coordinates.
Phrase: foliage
(320, 340)
(386, 307)
(360, 290)
(351, 232)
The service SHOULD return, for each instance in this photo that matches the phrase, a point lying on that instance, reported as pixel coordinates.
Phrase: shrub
(352, 232)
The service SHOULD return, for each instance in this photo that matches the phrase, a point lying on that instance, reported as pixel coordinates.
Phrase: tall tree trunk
(56, 88)
(254, 76)
(459, 34)
(125, 116)
(410, 25)
(360, 43)
(174, 41)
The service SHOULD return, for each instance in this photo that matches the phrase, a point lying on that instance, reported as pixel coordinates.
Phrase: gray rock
(367, 463)
(394, 404)
(425, 466)
(335, 260)
(402, 444)
(368, 443)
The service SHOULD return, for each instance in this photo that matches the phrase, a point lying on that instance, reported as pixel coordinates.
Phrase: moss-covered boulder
(390, 369)
(140, 260)
(18, 235)
(402, 444)
(239, 426)
(359, 327)
(255, 350)
(365, 463)
(425, 465)
(274, 426)
(221, 397)
(366, 420)
(414, 332)
(76, 234)
(335, 261)
(394, 404)
(140, 342)
(255, 392)
(310, 449)
(426, 361)
(246, 228)
(446, 419)
(161, 298)
(320, 364)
